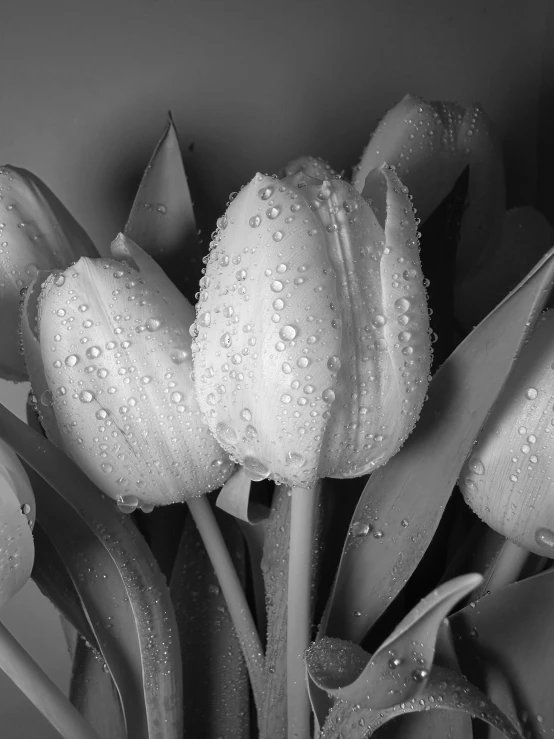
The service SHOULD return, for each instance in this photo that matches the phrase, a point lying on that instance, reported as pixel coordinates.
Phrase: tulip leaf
(445, 690)
(215, 678)
(119, 584)
(16, 541)
(403, 501)
(93, 693)
(235, 499)
(399, 669)
(505, 643)
(162, 218)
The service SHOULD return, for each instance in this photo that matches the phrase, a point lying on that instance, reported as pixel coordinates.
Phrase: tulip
(312, 347)
(430, 144)
(36, 232)
(507, 480)
(108, 351)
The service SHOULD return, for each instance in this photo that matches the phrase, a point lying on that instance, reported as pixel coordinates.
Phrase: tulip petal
(36, 232)
(403, 501)
(162, 218)
(266, 334)
(16, 541)
(507, 478)
(311, 166)
(430, 144)
(116, 356)
(385, 351)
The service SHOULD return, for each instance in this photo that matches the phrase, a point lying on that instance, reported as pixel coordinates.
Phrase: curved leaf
(402, 504)
(399, 669)
(234, 499)
(505, 643)
(122, 591)
(162, 218)
(445, 690)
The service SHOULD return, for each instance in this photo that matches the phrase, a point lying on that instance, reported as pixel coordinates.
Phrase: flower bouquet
(256, 516)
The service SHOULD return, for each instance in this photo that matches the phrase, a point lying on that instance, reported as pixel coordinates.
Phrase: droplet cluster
(116, 356)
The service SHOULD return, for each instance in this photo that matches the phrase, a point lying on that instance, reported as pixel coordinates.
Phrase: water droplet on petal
(128, 503)
(545, 537)
(254, 469)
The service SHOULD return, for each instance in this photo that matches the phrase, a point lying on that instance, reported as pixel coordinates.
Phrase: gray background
(85, 87)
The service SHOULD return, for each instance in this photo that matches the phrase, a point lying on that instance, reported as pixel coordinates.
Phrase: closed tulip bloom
(312, 351)
(108, 350)
(508, 479)
(36, 232)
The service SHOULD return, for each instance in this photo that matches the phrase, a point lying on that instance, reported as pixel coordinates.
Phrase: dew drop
(255, 221)
(265, 193)
(128, 503)
(402, 304)
(178, 356)
(294, 459)
(333, 363)
(71, 360)
(359, 528)
(86, 396)
(276, 286)
(545, 537)
(226, 433)
(93, 352)
(278, 236)
(153, 324)
(225, 341)
(328, 395)
(205, 319)
(288, 333)
(476, 466)
(106, 467)
(246, 414)
(272, 213)
(531, 393)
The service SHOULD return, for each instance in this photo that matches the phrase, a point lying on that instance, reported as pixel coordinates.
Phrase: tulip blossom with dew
(312, 350)
(507, 480)
(108, 351)
(430, 144)
(312, 347)
(36, 232)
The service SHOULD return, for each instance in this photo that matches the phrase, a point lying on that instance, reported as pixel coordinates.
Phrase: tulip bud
(108, 348)
(430, 144)
(507, 480)
(36, 232)
(312, 352)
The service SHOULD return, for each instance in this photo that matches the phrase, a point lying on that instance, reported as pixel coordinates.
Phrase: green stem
(40, 690)
(233, 593)
(302, 530)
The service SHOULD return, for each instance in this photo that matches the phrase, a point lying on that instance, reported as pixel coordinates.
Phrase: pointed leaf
(215, 678)
(162, 218)
(505, 643)
(445, 691)
(122, 591)
(403, 501)
(399, 669)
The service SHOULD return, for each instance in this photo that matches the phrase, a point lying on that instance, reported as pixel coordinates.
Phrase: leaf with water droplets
(404, 500)
(398, 671)
(16, 540)
(162, 218)
(445, 691)
(505, 643)
(120, 586)
(215, 680)
(93, 693)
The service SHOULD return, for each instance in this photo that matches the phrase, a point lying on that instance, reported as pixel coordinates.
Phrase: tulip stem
(40, 690)
(302, 531)
(233, 593)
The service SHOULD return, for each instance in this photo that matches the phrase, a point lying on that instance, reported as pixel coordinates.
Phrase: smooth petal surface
(312, 351)
(265, 333)
(16, 541)
(36, 232)
(116, 355)
(385, 353)
(430, 144)
(507, 480)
